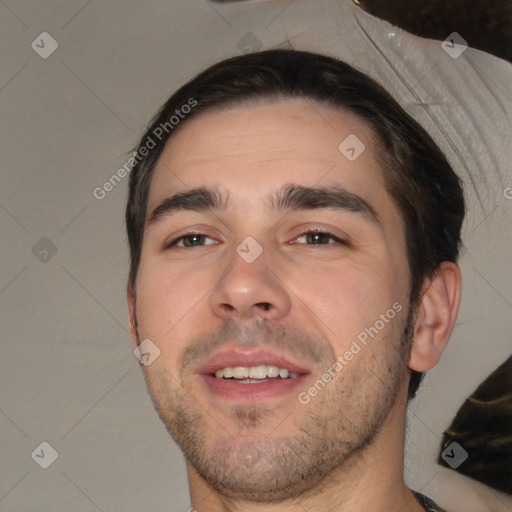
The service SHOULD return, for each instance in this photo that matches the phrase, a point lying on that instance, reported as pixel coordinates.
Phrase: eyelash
(309, 232)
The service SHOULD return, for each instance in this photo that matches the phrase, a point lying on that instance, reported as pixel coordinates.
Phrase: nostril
(264, 305)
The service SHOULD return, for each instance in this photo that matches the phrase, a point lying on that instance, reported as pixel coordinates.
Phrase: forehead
(250, 152)
(256, 146)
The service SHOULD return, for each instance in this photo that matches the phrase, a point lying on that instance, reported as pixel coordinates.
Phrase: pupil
(317, 237)
(193, 238)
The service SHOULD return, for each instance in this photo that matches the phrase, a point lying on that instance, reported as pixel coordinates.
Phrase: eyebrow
(287, 198)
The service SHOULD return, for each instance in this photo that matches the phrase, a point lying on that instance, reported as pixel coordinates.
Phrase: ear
(435, 317)
(132, 316)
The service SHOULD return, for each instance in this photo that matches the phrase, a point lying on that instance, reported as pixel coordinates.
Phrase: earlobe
(132, 316)
(436, 316)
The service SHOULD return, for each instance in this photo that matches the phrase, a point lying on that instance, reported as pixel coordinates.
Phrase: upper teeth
(254, 372)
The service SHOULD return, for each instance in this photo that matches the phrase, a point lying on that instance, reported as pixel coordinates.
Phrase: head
(273, 121)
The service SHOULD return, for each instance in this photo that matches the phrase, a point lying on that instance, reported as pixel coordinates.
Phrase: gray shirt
(427, 503)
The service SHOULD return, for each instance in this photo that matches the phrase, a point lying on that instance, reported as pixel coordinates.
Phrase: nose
(249, 291)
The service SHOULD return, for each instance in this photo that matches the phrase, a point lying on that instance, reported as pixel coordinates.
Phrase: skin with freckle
(320, 295)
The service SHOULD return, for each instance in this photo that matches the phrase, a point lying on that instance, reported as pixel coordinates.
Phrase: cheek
(347, 299)
(165, 299)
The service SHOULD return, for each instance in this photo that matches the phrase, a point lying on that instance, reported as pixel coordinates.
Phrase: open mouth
(260, 383)
(262, 374)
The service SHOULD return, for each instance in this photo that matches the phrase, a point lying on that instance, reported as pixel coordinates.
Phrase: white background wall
(67, 372)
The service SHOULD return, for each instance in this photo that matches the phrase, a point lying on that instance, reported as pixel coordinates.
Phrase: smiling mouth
(263, 375)
(254, 386)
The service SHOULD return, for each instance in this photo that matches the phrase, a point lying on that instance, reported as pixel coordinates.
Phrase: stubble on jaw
(253, 458)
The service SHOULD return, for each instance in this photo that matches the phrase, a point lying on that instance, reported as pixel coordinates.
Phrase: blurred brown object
(483, 427)
(485, 24)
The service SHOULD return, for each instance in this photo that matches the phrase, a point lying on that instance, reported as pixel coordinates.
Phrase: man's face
(303, 298)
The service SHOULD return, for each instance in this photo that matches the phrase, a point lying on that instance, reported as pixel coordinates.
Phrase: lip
(236, 357)
(230, 389)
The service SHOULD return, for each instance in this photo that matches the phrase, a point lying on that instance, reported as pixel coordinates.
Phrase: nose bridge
(248, 287)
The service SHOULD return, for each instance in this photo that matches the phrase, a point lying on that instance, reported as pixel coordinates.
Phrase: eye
(190, 240)
(317, 237)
